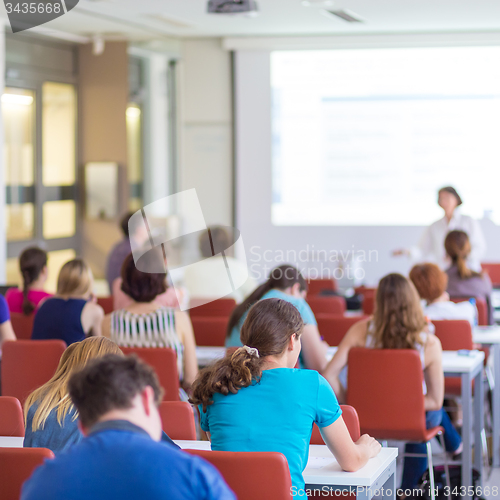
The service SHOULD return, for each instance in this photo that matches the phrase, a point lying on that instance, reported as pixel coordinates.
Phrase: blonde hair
(398, 318)
(54, 394)
(75, 278)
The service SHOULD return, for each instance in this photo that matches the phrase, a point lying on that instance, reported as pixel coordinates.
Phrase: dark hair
(453, 191)
(457, 246)
(31, 262)
(142, 287)
(281, 277)
(214, 240)
(429, 280)
(268, 328)
(124, 223)
(110, 383)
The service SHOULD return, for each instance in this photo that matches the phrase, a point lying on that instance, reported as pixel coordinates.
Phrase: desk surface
(322, 468)
(456, 363)
(11, 442)
(486, 334)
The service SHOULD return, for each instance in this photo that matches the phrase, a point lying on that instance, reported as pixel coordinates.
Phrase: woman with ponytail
(33, 267)
(462, 281)
(254, 400)
(286, 283)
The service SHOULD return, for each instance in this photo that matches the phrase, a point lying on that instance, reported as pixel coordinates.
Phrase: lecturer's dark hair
(281, 277)
(31, 263)
(268, 328)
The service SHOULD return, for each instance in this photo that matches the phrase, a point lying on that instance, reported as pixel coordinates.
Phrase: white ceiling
(150, 19)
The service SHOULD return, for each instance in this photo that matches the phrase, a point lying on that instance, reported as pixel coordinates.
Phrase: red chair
(316, 286)
(22, 325)
(493, 270)
(164, 362)
(178, 420)
(351, 421)
(252, 475)
(11, 417)
(16, 466)
(28, 364)
(368, 304)
(482, 308)
(385, 387)
(333, 327)
(106, 303)
(326, 304)
(209, 331)
(219, 307)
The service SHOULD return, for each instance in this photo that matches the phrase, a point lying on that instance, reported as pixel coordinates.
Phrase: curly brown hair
(268, 328)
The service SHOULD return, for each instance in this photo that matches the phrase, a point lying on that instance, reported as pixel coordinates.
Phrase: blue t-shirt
(4, 310)
(275, 414)
(302, 306)
(126, 465)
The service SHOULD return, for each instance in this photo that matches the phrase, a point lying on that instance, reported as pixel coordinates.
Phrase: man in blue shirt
(121, 457)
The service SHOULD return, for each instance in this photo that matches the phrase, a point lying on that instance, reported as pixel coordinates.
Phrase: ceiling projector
(231, 6)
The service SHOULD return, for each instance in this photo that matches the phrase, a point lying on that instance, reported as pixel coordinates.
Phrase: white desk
(489, 336)
(11, 442)
(206, 355)
(323, 471)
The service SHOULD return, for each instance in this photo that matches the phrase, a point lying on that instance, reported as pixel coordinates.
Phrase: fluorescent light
(25, 100)
(133, 112)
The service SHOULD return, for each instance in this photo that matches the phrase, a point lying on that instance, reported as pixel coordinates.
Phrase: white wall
(205, 127)
(3, 243)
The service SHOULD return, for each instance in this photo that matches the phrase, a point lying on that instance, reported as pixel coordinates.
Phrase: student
(119, 252)
(71, 315)
(145, 323)
(50, 417)
(286, 283)
(204, 282)
(430, 247)
(6, 331)
(33, 266)
(254, 400)
(399, 323)
(431, 282)
(120, 458)
(462, 281)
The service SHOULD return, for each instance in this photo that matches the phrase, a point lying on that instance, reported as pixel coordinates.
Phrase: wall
(3, 243)
(205, 127)
(103, 92)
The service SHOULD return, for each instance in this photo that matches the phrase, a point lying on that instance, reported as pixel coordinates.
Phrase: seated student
(430, 282)
(120, 457)
(286, 283)
(50, 417)
(203, 283)
(33, 266)
(6, 331)
(399, 323)
(71, 315)
(146, 323)
(462, 281)
(254, 400)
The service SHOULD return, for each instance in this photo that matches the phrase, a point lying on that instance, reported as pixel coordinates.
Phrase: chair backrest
(28, 364)
(210, 330)
(316, 286)
(365, 291)
(454, 334)
(177, 419)
(16, 466)
(333, 327)
(106, 303)
(385, 387)
(219, 307)
(368, 304)
(493, 270)
(22, 325)
(326, 304)
(482, 308)
(252, 475)
(351, 420)
(164, 362)
(11, 417)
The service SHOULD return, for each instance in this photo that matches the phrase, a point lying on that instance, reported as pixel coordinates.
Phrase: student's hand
(371, 443)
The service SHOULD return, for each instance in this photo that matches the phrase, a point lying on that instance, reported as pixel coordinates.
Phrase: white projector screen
(366, 137)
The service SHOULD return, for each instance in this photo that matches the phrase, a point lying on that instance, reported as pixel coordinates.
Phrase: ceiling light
(25, 100)
(317, 3)
(133, 112)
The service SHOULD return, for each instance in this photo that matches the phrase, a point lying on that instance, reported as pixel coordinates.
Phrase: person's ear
(148, 399)
(84, 430)
(296, 289)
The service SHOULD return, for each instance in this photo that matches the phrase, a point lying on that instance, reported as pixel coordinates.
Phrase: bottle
(472, 300)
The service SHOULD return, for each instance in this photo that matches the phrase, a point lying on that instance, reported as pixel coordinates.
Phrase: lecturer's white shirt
(431, 245)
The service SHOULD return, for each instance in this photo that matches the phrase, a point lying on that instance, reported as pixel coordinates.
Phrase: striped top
(154, 329)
